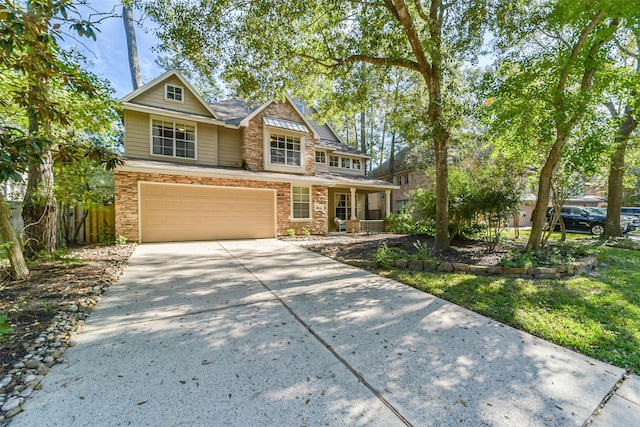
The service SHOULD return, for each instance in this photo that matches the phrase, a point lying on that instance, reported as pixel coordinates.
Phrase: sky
(108, 54)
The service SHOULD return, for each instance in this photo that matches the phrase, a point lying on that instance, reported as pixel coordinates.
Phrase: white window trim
(266, 150)
(291, 218)
(348, 207)
(350, 158)
(316, 157)
(166, 86)
(353, 160)
(171, 119)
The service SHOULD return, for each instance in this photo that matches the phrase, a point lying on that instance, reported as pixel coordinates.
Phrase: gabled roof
(233, 110)
(173, 72)
(237, 111)
(404, 160)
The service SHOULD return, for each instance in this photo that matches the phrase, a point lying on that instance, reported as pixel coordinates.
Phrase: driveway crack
(304, 324)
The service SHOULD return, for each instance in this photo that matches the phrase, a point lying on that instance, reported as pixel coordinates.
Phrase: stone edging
(582, 265)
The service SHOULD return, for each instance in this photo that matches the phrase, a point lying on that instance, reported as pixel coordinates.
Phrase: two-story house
(231, 170)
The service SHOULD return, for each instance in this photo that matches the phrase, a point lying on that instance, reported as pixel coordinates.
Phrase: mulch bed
(363, 247)
(32, 304)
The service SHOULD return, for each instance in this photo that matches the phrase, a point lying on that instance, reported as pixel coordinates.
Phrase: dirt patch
(362, 248)
(70, 283)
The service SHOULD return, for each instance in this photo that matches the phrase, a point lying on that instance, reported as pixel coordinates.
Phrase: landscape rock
(445, 267)
(416, 265)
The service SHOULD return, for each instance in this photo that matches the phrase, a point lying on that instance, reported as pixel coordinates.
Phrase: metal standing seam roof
(285, 124)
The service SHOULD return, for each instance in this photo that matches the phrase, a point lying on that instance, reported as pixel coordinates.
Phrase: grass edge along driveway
(595, 314)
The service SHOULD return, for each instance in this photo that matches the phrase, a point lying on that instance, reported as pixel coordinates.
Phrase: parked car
(577, 218)
(627, 222)
(633, 211)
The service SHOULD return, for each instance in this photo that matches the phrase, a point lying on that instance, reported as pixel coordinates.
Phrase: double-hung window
(173, 139)
(321, 157)
(285, 149)
(301, 202)
(334, 161)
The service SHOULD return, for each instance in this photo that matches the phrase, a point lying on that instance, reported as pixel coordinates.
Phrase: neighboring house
(227, 170)
(406, 177)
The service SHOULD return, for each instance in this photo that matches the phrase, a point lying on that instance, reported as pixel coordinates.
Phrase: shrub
(121, 240)
(306, 232)
(5, 328)
(384, 254)
(291, 232)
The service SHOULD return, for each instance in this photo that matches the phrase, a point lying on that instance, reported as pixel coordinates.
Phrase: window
(342, 204)
(285, 149)
(301, 202)
(401, 205)
(356, 164)
(173, 139)
(346, 162)
(399, 180)
(406, 179)
(334, 161)
(173, 93)
(321, 157)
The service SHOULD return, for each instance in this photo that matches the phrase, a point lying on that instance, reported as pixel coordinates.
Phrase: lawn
(596, 314)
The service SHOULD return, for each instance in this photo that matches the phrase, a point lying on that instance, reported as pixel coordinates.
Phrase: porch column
(353, 203)
(387, 200)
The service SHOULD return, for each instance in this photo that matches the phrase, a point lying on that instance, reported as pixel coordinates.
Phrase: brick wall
(253, 138)
(126, 201)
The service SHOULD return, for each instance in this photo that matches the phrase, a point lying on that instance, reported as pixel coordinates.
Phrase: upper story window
(356, 164)
(346, 163)
(321, 157)
(285, 149)
(173, 139)
(334, 161)
(174, 93)
(399, 180)
(406, 179)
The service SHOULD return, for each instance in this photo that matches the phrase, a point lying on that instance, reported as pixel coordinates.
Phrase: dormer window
(321, 157)
(356, 164)
(173, 93)
(346, 163)
(285, 149)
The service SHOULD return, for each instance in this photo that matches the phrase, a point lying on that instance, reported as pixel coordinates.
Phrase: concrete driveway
(258, 333)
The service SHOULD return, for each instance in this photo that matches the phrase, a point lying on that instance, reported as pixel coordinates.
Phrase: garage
(184, 212)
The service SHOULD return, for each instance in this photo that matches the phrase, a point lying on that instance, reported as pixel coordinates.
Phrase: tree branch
(412, 65)
(577, 48)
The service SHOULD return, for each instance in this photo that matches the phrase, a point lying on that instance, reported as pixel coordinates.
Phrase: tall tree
(548, 79)
(627, 123)
(309, 47)
(33, 58)
(132, 45)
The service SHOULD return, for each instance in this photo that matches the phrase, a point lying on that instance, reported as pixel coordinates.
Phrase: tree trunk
(392, 169)
(440, 139)
(544, 190)
(19, 268)
(39, 211)
(132, 46)
(612, 226)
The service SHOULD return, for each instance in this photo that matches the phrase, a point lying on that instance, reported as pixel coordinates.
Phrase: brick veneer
(253, 138)
(126, 201)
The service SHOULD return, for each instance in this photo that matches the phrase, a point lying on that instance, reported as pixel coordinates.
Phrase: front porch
(347, 205)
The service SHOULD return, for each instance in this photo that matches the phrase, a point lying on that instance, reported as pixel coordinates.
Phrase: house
(406, 176)
(231, 170)
(409, 176)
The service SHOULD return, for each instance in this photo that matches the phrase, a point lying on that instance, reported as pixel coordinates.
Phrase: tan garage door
(172, 213)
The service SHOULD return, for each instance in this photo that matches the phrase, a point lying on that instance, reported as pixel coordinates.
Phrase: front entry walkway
(266, 333)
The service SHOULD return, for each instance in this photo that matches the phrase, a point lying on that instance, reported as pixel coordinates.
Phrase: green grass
(597, 315)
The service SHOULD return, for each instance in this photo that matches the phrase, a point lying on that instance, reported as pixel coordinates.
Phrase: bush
(551, 255)
(384, 254)
(5, 328)
(480, 201)
(404, 223)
